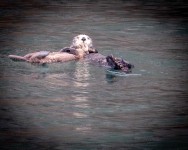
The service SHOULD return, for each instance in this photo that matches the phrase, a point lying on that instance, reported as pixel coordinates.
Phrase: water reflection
(70, 105)
(81, 74)
(81, 101)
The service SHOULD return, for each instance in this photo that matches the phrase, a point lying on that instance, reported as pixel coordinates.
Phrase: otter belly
(57, 57)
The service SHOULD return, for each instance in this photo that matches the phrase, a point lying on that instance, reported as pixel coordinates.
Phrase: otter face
(83, 42)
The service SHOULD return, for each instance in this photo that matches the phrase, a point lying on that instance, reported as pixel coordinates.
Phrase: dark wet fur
(110, 61)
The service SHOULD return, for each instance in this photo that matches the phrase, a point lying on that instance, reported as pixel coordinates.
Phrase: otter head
(84, 43)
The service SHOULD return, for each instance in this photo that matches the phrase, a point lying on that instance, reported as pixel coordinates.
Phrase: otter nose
(83, 39)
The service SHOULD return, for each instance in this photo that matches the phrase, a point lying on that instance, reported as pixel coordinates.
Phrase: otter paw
(69, 50)
(118, 64)
(92, 50)
(40, 55)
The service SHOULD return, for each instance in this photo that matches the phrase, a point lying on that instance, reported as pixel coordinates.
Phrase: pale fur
(81, 45)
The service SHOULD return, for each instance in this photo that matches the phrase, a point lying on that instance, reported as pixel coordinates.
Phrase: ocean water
(77, 105)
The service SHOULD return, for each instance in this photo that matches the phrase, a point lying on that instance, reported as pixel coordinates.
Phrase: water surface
(76, 105)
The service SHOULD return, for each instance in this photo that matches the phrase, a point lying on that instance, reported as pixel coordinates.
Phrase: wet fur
(81, 45)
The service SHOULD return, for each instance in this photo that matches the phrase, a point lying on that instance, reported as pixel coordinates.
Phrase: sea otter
(81, 47)
(110, 62)
(92, 55)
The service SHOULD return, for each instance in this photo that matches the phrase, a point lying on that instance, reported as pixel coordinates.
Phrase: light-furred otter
(81, 47)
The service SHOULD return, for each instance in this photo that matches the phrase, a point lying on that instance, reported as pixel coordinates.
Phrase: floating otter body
(81, 47)
(110, 61)
(66, 54)
(45, 57)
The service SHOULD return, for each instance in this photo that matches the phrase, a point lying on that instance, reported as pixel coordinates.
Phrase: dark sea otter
(81, 48)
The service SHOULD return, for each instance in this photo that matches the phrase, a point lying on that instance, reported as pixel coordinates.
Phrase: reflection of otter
(81, 47)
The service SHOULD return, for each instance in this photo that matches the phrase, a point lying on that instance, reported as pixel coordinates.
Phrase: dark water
(76, 105)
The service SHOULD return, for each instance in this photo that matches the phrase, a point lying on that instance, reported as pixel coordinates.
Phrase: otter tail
(17, 58)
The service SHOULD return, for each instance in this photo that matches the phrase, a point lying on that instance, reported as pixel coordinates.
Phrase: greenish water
(76, 105)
